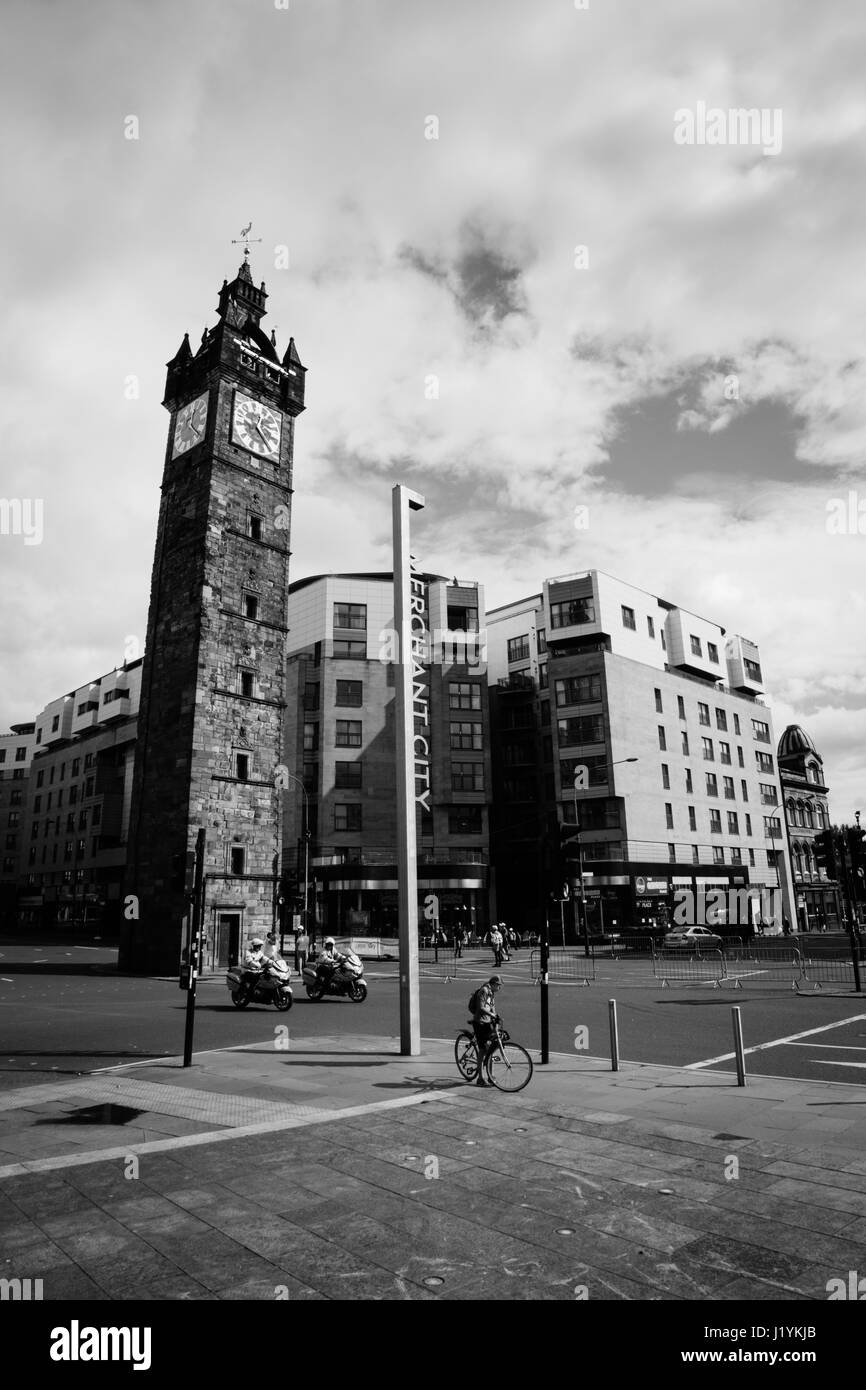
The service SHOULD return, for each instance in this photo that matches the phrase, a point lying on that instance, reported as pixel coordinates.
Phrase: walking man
(496, 943)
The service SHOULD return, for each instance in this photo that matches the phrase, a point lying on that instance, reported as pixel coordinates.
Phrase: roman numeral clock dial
(189, 427)
(256, 427)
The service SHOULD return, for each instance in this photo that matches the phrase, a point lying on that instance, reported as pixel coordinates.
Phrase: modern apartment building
(665, 710)
(16, 753)
(340, 754)
(801, 768)
(75, 813)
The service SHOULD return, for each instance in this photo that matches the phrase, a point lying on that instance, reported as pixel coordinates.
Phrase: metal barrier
(835, 970)
(441, 963)
(564, 966)
(705, 967)
(761, 962)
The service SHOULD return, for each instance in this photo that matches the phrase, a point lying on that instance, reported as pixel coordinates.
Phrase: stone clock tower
(212, 700)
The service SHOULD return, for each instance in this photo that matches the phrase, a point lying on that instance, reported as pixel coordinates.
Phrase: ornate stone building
(211, 721)
(804, 791)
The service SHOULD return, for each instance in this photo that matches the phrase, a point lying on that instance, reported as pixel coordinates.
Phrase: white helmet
(329, 941)
(257, 941)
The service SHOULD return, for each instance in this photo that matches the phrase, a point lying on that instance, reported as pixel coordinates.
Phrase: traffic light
(825, 852)
(857, 846)
(183, 872)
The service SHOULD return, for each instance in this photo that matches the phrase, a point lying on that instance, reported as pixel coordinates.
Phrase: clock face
(256, 427)
(189, 428)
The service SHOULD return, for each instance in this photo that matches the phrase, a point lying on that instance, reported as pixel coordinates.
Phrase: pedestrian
(503, 932)
(483, 1019)
(513, 939)
(459, 937)
(496, 944)
(302, 947)
(786, 925)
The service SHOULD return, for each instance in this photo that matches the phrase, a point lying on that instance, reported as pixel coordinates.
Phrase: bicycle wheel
(509, 1067)
(466, 1056)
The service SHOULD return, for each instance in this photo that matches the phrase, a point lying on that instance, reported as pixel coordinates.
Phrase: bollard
(614, 1035)
(738, 1046)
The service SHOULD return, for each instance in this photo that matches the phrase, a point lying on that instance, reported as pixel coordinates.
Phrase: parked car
(692, 939)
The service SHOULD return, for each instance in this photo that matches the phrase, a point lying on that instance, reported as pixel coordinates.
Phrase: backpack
(473, 1000)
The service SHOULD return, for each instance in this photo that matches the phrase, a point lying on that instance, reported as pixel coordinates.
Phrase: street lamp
(294, 778)
(581, 782)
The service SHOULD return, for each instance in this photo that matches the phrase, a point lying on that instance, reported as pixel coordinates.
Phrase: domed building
(801, 771)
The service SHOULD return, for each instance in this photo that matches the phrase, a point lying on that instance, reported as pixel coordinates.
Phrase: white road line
(820, 1062)
(778, 1042)
(836, 1047)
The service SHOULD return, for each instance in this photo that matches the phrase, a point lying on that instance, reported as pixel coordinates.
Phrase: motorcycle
(271, 986)
(346, 979)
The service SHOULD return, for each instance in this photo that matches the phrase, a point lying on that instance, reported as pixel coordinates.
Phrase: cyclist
(484, 1019)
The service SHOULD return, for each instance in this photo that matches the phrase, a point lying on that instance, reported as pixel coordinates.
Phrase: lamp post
(294, 778)
(581, 782)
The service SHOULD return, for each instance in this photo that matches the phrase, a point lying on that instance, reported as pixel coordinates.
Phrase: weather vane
(246, 239)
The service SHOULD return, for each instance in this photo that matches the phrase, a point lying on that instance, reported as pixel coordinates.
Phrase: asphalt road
(53, 1025)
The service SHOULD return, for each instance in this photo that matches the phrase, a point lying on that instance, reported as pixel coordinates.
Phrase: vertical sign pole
(403, 500)
(195, 947)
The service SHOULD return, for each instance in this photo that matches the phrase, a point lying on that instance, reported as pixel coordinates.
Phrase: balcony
(516, 681)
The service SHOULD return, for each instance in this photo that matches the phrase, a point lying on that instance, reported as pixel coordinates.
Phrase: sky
(515, 289)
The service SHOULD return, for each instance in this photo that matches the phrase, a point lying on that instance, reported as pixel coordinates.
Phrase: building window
(650, 627)
(753, 671)
(669, 815)
(696, 854)
(696, 645)
(761, 731)
(466, 735)
(15, 798)
(238, 859)
(658, 695)
(96, 817)
(464, 695)
(736, 856)
(347, 817)
(751, 858)
(721, 720)
(595, 765)
(577, 690)
(666, 777)
(733, 823)
(725, 753)
(311, 737)
(310, 698)
(573, 613)
(681, 707)
(737, 724)
(713, 653)
(542, 676)
(40, 778)
(518, 648)
(728, 787)
(242, 766)
(345, 650)
(748, 820)
(350, 693)
(764, 761)
(251, 606)
(467, 777)
(82, 819)
(582, 728)
(246, 683)
(347, 774)
(685, 741)
(67, 850)
(55, 724)
(17, 774)
(693, 824)
(70, 821)
(712, 784)
(541, 640)
(715, 822)
(20, 755)
(628, 617)
(76, 767)
(672, 853)
(14, 818)
(48, 801)
(772, 828)
(707, 748)
(310, 777)
(662, 740)
(348, 733)
(465, 821)
(351, 615)
(37, 803)
(704, 714)
(88, 787)
(73, 795)
(718, 854)
(254, 526)
(769, 795)
(688, 780)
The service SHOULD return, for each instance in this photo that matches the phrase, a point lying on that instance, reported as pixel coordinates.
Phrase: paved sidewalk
(336, 1169)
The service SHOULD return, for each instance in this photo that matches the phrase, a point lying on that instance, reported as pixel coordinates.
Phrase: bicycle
(507, 1065)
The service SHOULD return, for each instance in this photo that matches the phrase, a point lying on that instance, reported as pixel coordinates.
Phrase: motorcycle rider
(328, 961)
(254, 963)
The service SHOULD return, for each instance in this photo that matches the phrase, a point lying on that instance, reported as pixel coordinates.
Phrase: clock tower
(210, 728)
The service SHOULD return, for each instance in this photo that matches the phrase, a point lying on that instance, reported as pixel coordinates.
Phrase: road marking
(820, 1062)
(778, 1042)
(836, 1047)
